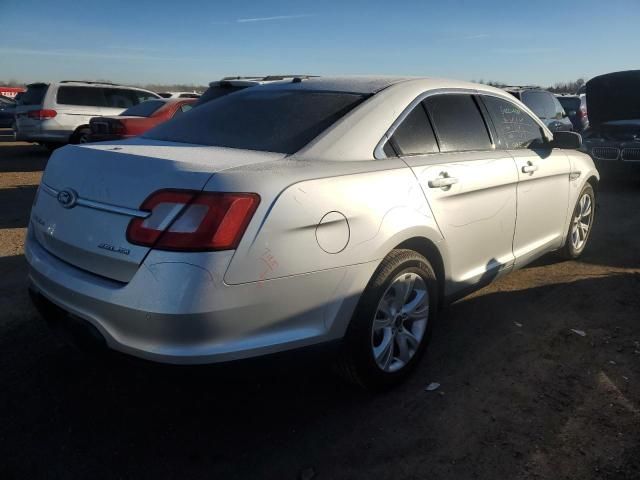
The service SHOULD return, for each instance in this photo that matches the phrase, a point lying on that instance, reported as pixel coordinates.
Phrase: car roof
(522, 88)
(85, 83)
(366, 85)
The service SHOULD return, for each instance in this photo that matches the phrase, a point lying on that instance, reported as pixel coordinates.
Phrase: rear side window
(458, 123)
(85, 96)
(34, 94)
(515, 128)
(280, 121)
(570, 104)
(144, 109)
(414, 136)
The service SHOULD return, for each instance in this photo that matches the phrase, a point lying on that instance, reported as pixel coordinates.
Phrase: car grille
(605, 153)
(631, 154)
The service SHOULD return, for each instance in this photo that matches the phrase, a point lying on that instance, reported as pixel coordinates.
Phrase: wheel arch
(74, 136)
(431, 252)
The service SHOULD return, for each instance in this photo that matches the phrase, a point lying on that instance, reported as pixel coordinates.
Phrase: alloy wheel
(400, 322)
(581, 223)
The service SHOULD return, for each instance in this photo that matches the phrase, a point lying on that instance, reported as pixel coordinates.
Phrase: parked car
(228, 85)
(7, 112)
(56, 113)
(575, 107)
(340, 210)
(545, 105)
(179, 94)
(613, 136)
(138, 119)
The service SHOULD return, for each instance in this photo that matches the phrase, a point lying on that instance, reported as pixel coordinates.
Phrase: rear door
(543, 179)
(77, 105)
(470, 186)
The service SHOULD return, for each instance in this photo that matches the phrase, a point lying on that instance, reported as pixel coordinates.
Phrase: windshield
(281, 121)
(144, 109)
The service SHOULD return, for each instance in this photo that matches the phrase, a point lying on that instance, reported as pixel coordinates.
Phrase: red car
(138, 119)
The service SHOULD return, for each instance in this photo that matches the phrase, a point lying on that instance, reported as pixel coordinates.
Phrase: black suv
(545, 105)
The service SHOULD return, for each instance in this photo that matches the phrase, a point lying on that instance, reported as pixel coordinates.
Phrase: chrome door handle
(529, 168)
(442, 182)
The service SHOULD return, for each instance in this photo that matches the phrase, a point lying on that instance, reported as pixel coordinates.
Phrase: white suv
(59, 112)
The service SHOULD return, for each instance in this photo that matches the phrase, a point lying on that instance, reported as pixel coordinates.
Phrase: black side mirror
(567, 140)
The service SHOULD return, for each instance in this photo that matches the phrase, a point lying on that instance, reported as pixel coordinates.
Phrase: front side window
(281, 121)
(458, 123)
(414, 136)
(515, 128)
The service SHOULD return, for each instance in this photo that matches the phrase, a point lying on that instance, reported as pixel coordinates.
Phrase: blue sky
(193, 41)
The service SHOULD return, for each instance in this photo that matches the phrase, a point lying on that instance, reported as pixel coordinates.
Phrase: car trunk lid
(90, 193)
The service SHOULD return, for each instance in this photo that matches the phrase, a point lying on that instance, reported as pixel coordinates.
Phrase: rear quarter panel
(366, 214)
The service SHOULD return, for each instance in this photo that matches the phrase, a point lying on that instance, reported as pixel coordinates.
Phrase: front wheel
(392, 324)
(581, 224)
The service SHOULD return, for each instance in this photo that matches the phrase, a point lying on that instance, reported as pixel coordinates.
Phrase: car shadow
(22, 157)
(509, 365)
(16, 204)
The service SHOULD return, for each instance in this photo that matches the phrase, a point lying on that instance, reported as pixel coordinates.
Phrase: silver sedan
(310, 211)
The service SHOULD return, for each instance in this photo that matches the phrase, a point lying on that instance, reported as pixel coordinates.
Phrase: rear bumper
(175, 312)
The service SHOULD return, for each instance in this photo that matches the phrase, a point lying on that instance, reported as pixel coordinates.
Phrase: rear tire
(581, 224)
(82, 135)
(392, 324)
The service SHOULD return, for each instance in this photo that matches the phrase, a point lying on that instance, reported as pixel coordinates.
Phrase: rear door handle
(529, 168)
(442, 182)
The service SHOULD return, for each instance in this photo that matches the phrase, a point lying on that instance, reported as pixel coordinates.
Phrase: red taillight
(42, 114)
(582, 112)
(193, 221)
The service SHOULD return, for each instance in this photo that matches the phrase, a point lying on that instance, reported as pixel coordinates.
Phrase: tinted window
(86, 96)
(515, 128)
(143, 96)
(217, 91)
(458, 122)
(144, 109)
(188, 95)
(257, 119)
(570, 104)
(34, 94)
(121, 98)
(415, 135)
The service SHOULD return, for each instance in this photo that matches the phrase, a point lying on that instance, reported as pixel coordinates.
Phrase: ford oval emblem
(67, 198)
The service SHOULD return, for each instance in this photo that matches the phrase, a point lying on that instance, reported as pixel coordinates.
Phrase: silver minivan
(59, 112)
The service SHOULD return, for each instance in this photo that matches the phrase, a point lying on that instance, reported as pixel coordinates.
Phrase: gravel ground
(521, 395)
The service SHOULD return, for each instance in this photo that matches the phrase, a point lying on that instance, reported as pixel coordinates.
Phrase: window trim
(378, 152)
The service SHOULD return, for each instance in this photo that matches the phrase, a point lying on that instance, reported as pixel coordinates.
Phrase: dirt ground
(521, 396)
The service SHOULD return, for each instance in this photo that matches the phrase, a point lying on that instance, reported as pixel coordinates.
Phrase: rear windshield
(218, 91)
(34, 94)
(280, 121)
(569, 103)
(144, 109)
